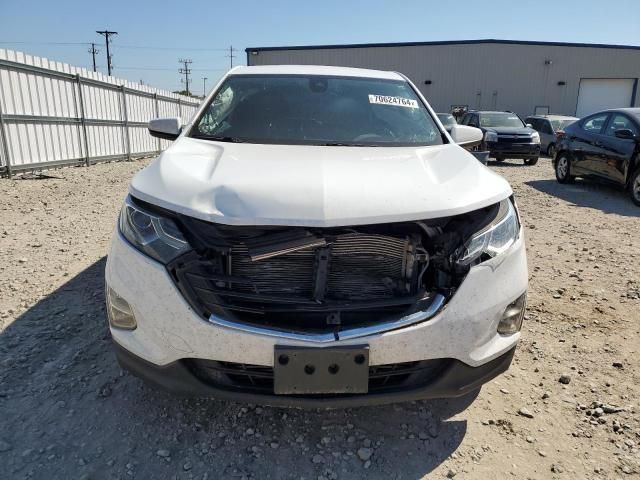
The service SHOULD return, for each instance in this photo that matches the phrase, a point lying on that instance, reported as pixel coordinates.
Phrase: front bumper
(457, 380)
(514, 150)
(169, 331)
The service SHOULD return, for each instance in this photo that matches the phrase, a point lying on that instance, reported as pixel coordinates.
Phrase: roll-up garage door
(597, 94)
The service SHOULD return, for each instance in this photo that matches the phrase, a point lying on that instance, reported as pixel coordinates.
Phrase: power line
(149, 47)
(107, 34)
(117, 47)
(186, 70)
(93, 51)
(47, 43)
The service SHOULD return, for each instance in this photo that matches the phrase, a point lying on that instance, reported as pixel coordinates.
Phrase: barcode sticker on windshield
(398, 101)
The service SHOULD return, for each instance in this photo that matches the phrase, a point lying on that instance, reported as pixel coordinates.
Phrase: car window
(546, 127)
(446, 119)
(620, 122)
(500, 119)
(561, 124)
(465, 119)
(595, 124)
(473, 121)
(317, 110)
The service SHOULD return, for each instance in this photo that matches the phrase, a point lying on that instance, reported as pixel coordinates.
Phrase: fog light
(513, 315)
(119, 311)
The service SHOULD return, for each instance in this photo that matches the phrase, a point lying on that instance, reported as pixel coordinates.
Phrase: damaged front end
(325, 281)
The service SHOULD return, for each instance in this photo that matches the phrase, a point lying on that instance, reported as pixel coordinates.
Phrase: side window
(473, 121)
(595, 124)
(465, 119)
(620, 122)
(533, 122)
(546, 127)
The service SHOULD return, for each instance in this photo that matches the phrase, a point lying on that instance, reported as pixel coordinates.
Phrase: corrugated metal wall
(515, 77)
(54, 114)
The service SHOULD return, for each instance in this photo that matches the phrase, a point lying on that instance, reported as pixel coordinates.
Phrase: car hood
(248, 184)
(510, 130)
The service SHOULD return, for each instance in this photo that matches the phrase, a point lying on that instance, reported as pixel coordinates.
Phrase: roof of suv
(314, 70)
(554, 117)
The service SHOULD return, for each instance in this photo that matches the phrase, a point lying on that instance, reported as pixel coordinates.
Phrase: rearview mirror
(465, 135)
(625, 133)
(165, 128)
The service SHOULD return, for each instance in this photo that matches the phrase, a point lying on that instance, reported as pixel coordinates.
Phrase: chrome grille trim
(348, 334)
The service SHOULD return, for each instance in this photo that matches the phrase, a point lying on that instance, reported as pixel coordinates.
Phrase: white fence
(54, 114)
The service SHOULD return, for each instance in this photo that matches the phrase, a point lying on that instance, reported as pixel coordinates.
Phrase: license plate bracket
(322, 370)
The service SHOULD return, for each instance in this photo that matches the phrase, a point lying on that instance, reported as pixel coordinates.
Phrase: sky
(154, 35)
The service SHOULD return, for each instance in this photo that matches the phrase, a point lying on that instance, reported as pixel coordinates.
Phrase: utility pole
(107, 34)
(231, 55)
(186, 71)
(204, 87)
(93, 51)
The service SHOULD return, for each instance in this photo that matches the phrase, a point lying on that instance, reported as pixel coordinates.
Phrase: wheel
(634, 187)
(563, 169)
(551, 151)
(499, 159)
(531, 161)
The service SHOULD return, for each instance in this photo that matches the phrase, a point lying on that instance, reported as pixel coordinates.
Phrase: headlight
(535, 137)
(153, 235)
(490, 137)
(494, 239)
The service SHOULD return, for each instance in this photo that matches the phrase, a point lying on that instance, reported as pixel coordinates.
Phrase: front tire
(563, 169)
(530, 161)
(551, 151)
(634, 187)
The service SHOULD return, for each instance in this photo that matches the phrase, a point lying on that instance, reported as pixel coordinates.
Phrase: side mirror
(465, 135)
(165, 128)
(625, 133)
(529, 125)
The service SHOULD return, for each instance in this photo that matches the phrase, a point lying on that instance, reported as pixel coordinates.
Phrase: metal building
(521, 76)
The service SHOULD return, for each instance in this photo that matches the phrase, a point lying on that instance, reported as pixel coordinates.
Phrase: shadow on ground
(592, 194)
(69, 412)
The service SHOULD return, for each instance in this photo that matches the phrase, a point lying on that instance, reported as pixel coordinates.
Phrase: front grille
(514, 139)
(259, 379)
(354, 278)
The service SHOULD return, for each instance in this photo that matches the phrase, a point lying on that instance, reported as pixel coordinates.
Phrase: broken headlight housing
(493, 239)
(156, 236)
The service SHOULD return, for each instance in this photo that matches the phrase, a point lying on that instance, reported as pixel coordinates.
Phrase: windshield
(317, 110)
(499, 119)
(447, 119)
(561, 124)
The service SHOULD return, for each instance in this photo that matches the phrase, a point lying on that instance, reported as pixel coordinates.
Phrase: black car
(604, 145)
(505, 135)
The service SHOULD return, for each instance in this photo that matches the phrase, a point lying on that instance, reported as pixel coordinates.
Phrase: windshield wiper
(340, 144)
(218, 138)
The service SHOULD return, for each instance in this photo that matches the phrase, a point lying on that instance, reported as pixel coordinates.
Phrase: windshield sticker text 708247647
(398, 101)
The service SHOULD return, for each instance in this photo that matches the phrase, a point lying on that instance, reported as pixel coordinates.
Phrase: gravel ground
(567, 408)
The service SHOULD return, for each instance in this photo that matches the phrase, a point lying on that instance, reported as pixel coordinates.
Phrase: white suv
(315, 237)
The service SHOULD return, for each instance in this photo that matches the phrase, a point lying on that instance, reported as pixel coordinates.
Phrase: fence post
(180, 109)
(157, 104)
(126, 122)
(5, 146)
(83, 123)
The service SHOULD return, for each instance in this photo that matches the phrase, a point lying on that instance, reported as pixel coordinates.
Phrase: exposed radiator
(360, 266)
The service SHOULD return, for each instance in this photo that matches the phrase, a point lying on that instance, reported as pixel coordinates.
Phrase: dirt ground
(68, 411)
